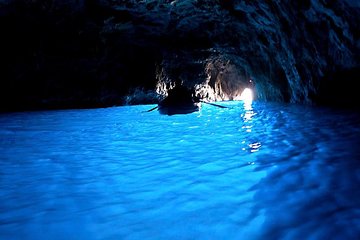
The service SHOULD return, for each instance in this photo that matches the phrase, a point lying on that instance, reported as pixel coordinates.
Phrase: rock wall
(95, 53)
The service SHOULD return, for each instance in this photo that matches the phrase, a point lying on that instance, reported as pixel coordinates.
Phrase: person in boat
(180, 95)
(180, 100)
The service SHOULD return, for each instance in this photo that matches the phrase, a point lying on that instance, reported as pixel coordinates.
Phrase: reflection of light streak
(248, 128)
(247, 106)
(248, 115)
(254, 146)
(247, 97)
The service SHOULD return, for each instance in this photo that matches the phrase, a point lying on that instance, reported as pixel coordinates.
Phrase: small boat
(180, 100)
(168, 108)
(171, 107)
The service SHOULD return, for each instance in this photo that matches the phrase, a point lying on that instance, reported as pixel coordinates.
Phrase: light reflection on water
(260, 171)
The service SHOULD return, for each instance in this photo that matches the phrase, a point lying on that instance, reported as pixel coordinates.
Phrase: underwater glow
(252, 171)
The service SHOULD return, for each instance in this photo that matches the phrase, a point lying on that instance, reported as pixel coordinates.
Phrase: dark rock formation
(96, 53)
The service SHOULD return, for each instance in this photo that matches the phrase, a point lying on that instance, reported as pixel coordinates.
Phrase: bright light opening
(246, 95)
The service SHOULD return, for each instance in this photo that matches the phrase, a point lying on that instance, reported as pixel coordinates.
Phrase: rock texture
(95, 53)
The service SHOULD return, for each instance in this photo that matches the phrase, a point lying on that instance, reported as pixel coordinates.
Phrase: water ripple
(266, 171)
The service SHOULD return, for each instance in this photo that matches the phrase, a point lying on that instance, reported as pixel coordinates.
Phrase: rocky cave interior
(100, 53)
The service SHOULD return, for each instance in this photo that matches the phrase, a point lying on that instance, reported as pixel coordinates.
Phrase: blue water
(265, 171)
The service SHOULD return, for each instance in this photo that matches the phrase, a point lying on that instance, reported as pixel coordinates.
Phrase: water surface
(265, 171)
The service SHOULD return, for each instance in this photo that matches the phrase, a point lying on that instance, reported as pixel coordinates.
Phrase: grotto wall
(97, 53)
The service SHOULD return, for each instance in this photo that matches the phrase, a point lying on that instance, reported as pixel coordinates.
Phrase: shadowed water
(266, 171)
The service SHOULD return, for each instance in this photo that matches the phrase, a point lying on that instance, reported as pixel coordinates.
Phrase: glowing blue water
(271, 172)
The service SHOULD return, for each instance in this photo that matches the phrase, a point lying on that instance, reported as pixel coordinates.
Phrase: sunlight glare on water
(251, 171)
